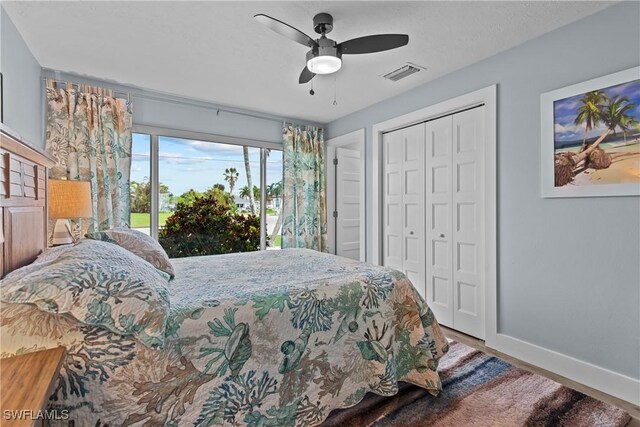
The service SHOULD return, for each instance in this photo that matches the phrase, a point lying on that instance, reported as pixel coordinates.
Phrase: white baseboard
(613, 383)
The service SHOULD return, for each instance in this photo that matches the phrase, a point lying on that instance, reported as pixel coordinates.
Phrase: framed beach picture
(591, 137)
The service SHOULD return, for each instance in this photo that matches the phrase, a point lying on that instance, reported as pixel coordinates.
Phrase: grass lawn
(143, 220)
(277, 241)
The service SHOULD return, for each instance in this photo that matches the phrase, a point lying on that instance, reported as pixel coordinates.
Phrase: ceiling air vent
(402, 72)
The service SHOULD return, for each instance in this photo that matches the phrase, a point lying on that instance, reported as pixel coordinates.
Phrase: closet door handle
(411, 232)
(442, 236)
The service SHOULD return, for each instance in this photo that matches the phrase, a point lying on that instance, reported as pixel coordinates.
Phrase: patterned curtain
(89, 133)
(304, 207)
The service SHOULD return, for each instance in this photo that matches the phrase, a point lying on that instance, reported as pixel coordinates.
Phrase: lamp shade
(324, 64)
(70, 199)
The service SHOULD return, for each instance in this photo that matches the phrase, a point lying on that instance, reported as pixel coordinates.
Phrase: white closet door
(439, 144)
(348, 203)
(392, 200)
(413, 195)
(468, 236)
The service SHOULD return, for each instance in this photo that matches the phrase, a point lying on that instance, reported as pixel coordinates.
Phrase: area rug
(482, 390)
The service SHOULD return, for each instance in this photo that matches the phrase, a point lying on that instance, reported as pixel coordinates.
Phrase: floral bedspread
(273, 338)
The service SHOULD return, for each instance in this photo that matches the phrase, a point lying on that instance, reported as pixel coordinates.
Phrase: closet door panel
(439, 281)
(468, 230)
(392, 200)
(413, 139)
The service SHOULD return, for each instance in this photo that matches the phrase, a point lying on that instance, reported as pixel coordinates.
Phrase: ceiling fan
(325, 56)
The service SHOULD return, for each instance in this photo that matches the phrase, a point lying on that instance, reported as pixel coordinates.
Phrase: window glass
(205, 205)
(274, 199)
(140, 218)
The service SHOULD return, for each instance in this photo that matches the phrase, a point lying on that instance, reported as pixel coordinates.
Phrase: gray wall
(568, 269)
(175, 112)
(22, 106)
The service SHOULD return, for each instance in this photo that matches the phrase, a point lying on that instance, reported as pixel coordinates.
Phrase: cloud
(567, 105)
(568, 136)
(174, 158)
(631, 89)
(569, 127)
(209, 147)
(140, 157)
(195, 169)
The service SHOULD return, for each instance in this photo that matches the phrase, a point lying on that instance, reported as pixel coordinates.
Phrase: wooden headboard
(23, 201)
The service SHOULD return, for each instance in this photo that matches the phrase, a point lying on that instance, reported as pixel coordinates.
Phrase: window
(175, 179)
(274, 199)
(141, 183)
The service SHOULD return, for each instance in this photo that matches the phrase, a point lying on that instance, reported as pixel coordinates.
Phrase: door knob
(411, 232)
(442, 236)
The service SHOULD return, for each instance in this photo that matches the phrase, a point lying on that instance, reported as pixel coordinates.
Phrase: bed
(271, 338)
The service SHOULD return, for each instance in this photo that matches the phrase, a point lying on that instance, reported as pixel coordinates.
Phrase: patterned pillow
(99, 284)
(52, 253)
(144, 246)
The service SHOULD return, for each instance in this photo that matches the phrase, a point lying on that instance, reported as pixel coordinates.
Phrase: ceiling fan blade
(285, 30)
(306, 76)
(372, 44)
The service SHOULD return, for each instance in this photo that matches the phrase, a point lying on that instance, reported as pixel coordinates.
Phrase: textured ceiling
(215, 51)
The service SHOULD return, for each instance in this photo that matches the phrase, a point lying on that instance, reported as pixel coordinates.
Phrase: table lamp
(68, 200)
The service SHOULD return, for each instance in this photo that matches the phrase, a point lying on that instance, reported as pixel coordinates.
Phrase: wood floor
(633, 410)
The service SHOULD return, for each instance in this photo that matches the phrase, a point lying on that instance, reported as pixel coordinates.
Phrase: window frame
(155, 132)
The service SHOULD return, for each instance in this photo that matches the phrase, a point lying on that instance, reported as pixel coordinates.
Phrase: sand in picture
(624, 168)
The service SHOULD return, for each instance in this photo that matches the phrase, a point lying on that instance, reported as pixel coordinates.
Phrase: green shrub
(206, 226)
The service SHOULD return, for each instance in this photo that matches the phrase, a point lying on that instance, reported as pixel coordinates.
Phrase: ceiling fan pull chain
(312, 92)
(335, 91)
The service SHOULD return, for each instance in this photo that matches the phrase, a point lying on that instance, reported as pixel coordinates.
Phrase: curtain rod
(77, 85)
(186, 101)
(218, 110)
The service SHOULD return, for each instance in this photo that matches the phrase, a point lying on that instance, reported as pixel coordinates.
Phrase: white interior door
(348, 184)
(413, 195)
(403, 201)
(392, 227)
(455, 221)
(439, 142)
(468, 230)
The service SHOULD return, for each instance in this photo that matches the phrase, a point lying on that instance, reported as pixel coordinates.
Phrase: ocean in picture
(597, 137)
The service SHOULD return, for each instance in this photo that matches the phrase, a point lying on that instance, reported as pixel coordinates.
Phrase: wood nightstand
(26, 382)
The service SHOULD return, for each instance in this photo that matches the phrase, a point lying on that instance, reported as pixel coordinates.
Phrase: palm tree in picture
(231, 176)
(614, 116)
(590, 113)
(247, 168)
(626, 125)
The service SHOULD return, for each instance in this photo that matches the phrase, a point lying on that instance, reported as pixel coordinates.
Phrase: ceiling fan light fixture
(325, 56)
(324, 64)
